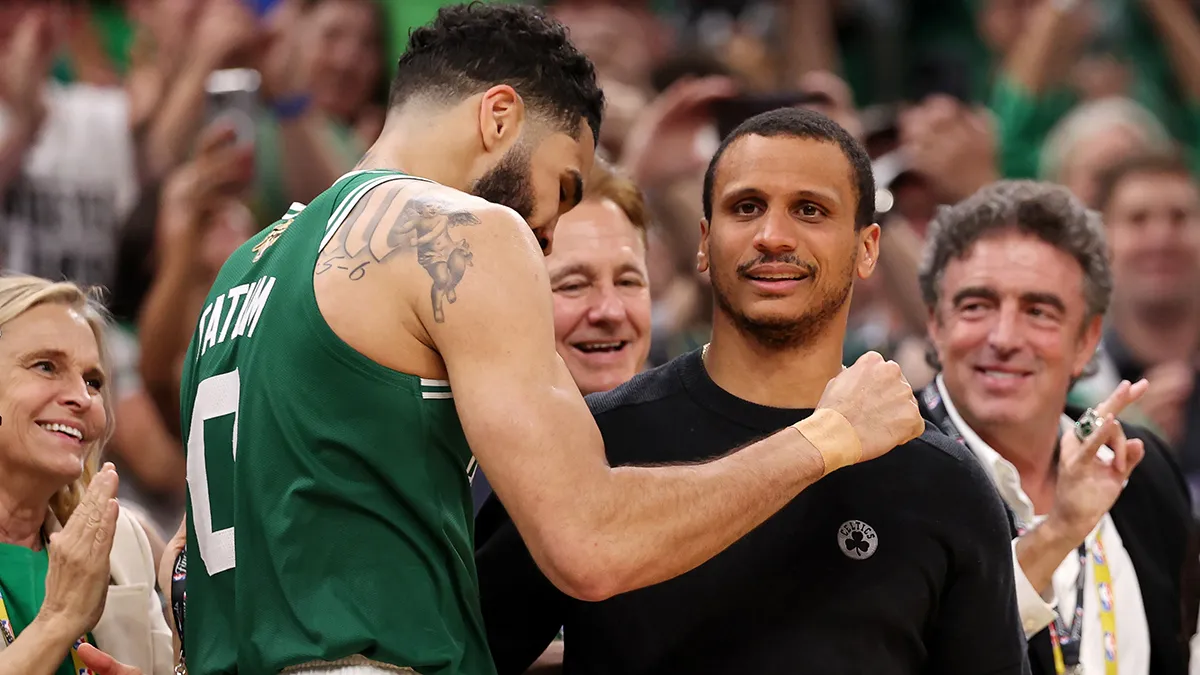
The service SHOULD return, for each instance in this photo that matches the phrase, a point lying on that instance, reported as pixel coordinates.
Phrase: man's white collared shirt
(1038, 611)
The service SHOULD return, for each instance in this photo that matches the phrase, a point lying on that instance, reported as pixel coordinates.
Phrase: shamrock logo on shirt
(856, 542)
(857, 539)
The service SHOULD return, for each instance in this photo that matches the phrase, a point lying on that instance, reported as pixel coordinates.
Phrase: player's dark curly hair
(469, 48)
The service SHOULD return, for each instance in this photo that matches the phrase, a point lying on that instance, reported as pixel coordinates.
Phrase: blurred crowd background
(113, 173)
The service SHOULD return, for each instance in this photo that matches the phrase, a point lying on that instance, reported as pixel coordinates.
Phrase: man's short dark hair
(808, 124)
(1150, 162)
(471, 47)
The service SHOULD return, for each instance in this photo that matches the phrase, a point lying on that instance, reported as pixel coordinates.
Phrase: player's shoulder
(443, 199)
(498, 226)
(648, 387)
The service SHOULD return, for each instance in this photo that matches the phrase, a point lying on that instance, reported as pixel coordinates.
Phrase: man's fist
(875, 398)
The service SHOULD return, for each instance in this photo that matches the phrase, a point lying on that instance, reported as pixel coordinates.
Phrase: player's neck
(791, 377)
(420, 149)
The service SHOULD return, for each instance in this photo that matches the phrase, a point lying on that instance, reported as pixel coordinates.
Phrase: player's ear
(501, 116)
(702, 254)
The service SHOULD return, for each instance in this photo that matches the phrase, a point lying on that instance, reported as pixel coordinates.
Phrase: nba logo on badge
(1105, 593)
(857, 539)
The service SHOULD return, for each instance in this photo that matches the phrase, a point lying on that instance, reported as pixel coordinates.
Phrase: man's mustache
(784, 259)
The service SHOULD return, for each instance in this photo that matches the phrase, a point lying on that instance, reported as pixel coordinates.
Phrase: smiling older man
(1017, 282)
(600, 283)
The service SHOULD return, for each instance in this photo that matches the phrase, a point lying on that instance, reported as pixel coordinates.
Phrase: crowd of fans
(116, 169)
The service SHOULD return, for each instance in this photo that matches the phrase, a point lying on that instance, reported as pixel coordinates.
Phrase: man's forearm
(172, 129)
(310, 165)
(1041, 550)
(15, 143)
(164, 328)
(650, 524)
(38, 650)
(1180, 31)
(1038, 57)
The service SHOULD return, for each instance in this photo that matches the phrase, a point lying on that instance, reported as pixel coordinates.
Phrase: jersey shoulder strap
(365, 181)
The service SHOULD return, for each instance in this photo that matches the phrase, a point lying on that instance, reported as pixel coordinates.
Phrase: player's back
(329, 503)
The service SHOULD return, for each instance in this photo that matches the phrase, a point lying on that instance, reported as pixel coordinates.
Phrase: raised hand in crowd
(201, 190)
(624, 105)
(200, 222)
(841, 108)
(24, 68)
(1165, 402)
(877, 401)
(282, 55)
(309, 161)
(666, 143)
(951, 145)
(1089, 483)
(226, 34)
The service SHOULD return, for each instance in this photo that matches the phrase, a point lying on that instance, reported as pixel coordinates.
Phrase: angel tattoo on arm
(444, 258)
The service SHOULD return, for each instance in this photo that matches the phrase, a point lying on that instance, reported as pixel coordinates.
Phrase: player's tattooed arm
(427, 222)
(387, 222)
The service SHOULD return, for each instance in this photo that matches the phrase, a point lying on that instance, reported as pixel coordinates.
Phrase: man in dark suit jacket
(1017, 282)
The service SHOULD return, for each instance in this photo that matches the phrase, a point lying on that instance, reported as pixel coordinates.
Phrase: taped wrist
(833, 436)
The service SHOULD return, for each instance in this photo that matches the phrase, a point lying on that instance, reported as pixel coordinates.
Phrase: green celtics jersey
(329, 506)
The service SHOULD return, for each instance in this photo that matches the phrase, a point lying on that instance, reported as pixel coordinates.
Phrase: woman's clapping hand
(78, 576)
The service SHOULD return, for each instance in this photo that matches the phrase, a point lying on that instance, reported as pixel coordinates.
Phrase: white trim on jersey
(339, 215)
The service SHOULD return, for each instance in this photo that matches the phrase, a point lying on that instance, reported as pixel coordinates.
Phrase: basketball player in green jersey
(354, 360)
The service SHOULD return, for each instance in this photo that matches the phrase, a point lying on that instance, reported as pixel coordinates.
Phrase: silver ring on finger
(1087, 424)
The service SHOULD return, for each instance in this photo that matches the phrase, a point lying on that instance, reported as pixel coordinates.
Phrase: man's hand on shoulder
(877, 402)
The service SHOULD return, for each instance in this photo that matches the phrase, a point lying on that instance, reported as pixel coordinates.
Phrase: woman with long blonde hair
(74, 567)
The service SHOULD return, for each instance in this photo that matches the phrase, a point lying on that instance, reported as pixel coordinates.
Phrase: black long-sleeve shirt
(899, 565)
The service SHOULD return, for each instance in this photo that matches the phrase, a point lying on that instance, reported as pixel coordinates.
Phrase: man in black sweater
(898, 565)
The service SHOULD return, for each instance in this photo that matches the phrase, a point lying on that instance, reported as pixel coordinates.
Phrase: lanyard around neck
(1061, 640)
(1066, 644)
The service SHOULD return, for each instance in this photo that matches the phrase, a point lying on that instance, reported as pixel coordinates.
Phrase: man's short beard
(509, 182)
(782, 332)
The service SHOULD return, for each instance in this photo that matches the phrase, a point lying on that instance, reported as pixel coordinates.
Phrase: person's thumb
(103, 664)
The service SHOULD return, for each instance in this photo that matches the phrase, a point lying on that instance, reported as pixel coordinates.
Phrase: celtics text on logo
(857, 539)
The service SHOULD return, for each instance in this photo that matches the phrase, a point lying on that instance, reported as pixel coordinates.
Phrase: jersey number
(217, 396)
